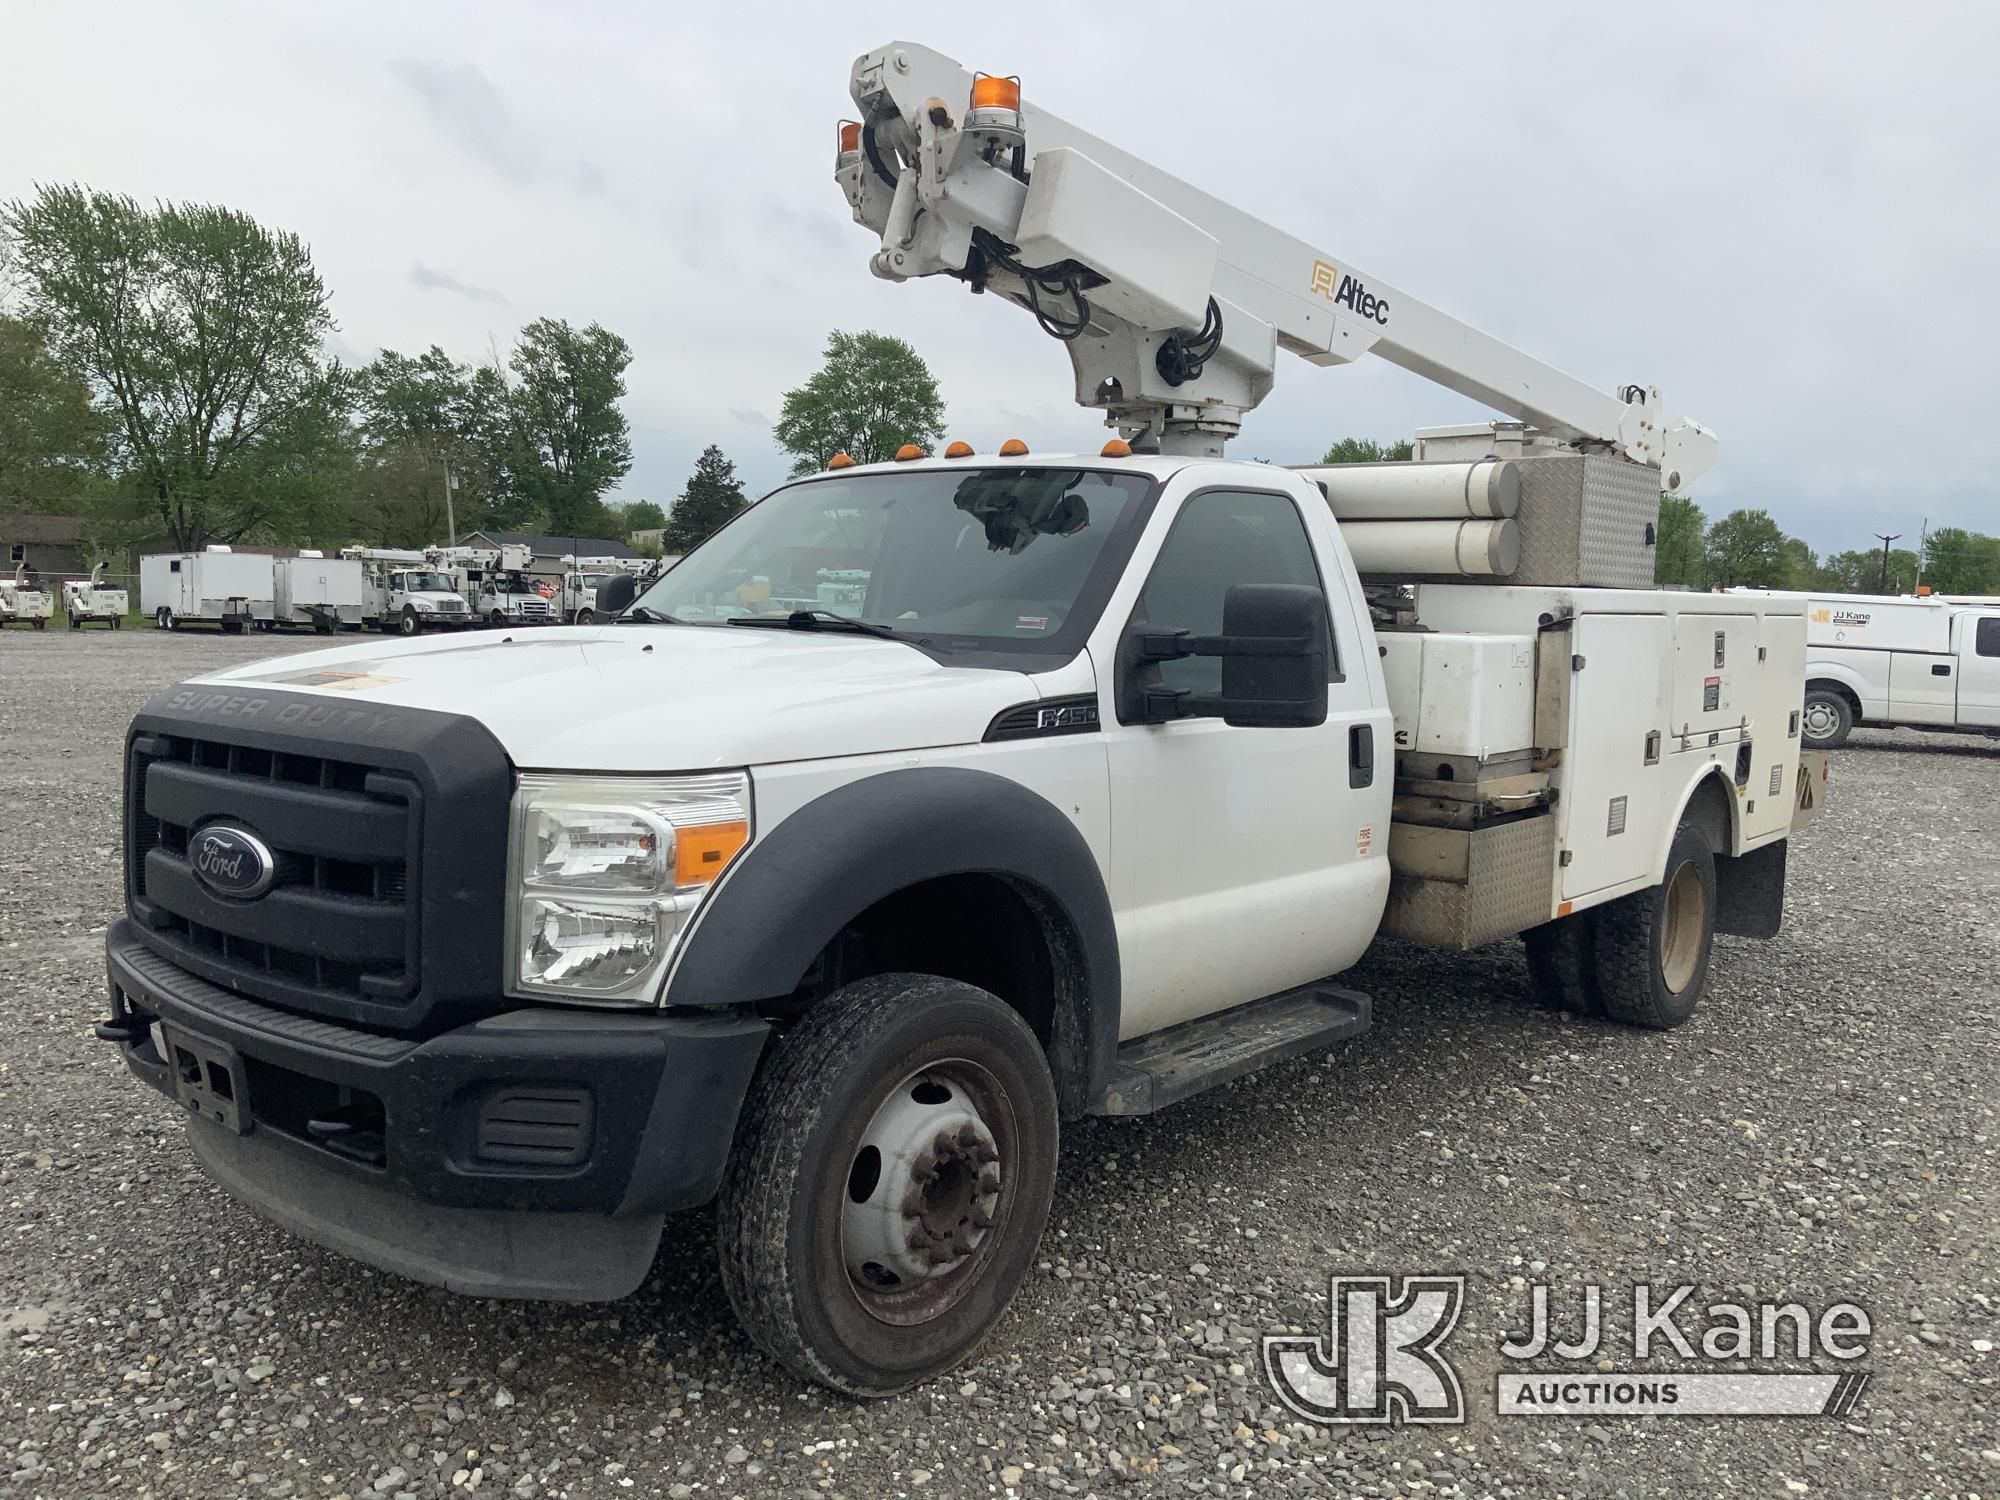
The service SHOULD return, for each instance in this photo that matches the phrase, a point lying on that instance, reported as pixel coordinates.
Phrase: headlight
(424, 606)
(605, 872)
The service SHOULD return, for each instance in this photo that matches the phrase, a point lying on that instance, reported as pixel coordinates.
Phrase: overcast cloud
(1785, 216)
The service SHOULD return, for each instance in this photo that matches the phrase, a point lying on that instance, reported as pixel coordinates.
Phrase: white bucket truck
(1100, 773)
(215, 586)
(1927, 663)
(498, 587)
(409, 591)
(90, 599)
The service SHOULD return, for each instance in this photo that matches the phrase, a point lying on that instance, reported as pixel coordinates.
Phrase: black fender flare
(812, 874)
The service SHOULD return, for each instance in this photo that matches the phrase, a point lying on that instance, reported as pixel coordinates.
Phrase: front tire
(1651, 949)
(889, 1182)
(410, 624)
(1826, 720)
(585, 617)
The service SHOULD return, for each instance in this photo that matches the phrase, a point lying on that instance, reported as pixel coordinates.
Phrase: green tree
(1680, 553)
(51, 438)
(1746, 549)
(873, 394)
(1352, 450)
(198, 328)
(571, 442)
(1798, 568)
(1957, 561)
(643, 515)
(1860, 571)
(713, 495)
(430, 420)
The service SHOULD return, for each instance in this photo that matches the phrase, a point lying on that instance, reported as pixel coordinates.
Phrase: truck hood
(664, 698)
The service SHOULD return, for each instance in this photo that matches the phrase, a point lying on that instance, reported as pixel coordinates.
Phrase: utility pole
(1885, 557)
(450, 521)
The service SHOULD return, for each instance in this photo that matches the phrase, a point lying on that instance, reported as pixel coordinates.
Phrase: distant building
(53, 547)
(651, 537)
(549, 551)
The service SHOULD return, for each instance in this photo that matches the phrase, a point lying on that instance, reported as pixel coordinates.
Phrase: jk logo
(1378, 1361)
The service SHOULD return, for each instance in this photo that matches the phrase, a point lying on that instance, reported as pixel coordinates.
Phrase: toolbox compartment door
(1610, 775)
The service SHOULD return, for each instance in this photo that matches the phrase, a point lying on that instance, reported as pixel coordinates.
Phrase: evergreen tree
(713, 495)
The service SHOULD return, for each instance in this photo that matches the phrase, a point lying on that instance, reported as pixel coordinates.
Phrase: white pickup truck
(1928, 663)
(475, 958)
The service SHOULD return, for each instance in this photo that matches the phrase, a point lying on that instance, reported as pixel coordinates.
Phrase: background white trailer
(216, 587)
(323, 592)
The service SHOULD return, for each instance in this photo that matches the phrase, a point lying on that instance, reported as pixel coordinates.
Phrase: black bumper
(530, 1154)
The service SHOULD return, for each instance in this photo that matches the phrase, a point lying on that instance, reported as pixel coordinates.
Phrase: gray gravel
(1824, 1130)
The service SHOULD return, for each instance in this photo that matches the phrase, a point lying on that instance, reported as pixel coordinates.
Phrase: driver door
(1244, 861)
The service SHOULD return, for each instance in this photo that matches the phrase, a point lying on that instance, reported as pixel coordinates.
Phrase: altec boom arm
(1135, 270)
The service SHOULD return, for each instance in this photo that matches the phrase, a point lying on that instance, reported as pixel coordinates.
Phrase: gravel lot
(1824, 1130)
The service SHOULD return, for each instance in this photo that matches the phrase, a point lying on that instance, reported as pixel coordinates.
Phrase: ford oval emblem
(232, 861)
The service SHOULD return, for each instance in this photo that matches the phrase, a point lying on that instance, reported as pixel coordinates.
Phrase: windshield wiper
(815, 619)
(647, 616)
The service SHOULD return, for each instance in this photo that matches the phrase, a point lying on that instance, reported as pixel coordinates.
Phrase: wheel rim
(1821, 720)
(923, 1202)
(1687, 921)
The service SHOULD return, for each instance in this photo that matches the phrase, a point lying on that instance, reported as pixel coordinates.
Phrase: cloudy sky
(1786, 216)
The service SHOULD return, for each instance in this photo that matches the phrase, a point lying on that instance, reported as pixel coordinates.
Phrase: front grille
(533, 606)
(337, 924)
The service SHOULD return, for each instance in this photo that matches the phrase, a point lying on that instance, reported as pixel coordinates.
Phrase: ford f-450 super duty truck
(932, 803)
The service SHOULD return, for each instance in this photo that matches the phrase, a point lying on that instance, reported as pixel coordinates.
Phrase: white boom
(1135, 270)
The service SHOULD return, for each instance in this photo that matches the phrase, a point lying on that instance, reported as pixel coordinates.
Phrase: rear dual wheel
(889, 1182)
(1642, 959)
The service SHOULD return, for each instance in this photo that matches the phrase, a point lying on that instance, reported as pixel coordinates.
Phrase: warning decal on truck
(1711, 694)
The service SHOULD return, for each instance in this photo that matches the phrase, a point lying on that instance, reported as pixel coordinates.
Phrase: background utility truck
(408, 591)
(475, 958)
(1928, 663)
(90, 599)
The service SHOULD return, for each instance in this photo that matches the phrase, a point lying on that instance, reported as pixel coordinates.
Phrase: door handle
(1940, 669)
(1361, 755)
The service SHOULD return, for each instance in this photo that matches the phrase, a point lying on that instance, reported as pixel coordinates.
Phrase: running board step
(1168, 1066)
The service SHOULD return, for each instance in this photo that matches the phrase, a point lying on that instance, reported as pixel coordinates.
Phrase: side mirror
(1273, 648)
(616, 593)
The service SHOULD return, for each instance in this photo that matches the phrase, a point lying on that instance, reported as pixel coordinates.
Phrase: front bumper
(531, 1154)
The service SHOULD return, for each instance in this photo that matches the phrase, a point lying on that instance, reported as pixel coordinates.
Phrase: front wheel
(410, 623)
(889, 1182)
(1826, 719)
(585, 617)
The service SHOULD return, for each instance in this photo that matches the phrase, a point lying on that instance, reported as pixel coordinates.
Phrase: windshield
(1000, 557)
(421, 583)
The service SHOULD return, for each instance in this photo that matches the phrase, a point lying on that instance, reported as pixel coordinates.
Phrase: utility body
(930, 804)
(1924, 663)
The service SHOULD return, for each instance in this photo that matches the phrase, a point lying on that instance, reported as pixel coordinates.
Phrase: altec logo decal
(1330, 282)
